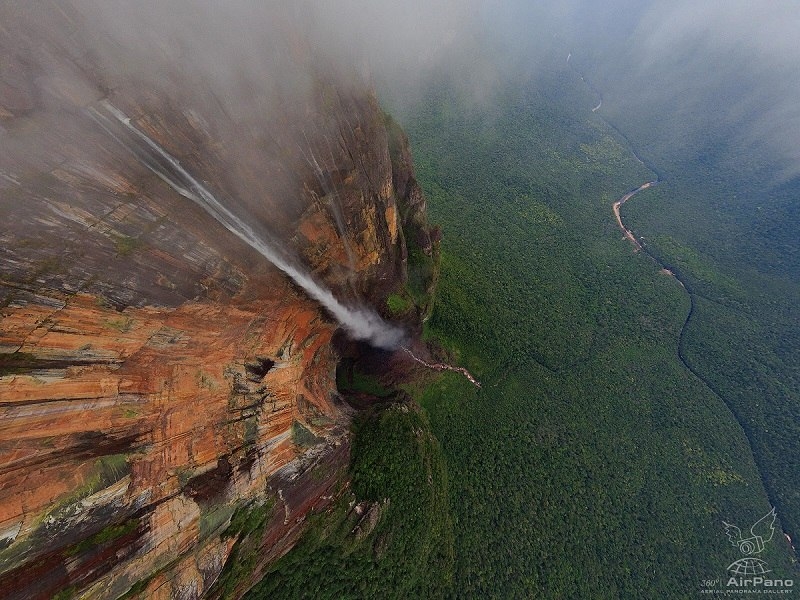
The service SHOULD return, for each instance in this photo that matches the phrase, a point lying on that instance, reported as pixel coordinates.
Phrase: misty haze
(381, 300)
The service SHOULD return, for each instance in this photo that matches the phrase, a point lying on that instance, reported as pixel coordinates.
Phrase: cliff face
(168, 397)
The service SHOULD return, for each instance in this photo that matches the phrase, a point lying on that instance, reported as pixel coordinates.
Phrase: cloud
(744, 52)
(697, 74)
(243, 56)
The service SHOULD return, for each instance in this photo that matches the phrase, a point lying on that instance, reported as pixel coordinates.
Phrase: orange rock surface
(157, 375)
(168, 391)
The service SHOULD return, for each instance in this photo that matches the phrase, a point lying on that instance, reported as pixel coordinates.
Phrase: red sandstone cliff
(158, 378)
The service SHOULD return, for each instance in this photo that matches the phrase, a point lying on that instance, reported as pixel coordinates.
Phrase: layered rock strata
(160, 382)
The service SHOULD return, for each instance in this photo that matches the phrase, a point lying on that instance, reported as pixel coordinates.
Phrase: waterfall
(360, 322)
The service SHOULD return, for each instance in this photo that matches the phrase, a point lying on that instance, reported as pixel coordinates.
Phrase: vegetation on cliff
(389, 535)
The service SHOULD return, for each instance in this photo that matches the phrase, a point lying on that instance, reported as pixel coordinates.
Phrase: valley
(591, 435)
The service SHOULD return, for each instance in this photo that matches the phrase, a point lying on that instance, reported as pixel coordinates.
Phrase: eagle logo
(761, 533)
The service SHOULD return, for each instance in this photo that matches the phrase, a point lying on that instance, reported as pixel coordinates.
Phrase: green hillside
(592, 463)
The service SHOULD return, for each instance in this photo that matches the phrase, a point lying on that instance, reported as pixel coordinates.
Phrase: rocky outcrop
(168, 397)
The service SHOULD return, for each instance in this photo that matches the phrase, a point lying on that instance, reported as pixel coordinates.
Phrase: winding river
(638, 245)
(628, 234)
(443, 367)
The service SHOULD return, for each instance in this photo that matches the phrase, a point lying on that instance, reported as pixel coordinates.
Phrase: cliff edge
(167, 394)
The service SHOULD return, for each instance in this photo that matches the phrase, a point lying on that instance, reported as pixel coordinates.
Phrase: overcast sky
(745, 53)
(234, 48)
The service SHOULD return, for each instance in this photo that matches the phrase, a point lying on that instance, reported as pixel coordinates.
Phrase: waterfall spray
(360, 322)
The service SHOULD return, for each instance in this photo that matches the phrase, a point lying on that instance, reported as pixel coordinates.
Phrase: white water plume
(360, 322)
